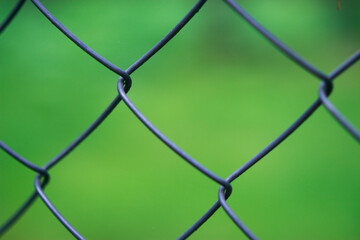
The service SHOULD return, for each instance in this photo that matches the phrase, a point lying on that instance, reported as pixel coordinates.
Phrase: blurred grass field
(218, 90)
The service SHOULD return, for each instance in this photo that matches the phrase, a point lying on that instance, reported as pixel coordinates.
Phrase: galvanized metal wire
(123, 86)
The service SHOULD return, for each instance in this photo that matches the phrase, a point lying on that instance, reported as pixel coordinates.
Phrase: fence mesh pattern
(124, 85)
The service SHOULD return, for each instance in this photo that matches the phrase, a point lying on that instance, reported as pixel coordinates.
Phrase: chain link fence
(124, 85)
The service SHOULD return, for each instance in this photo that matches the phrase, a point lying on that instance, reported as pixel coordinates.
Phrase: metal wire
(123, 86)
(11, 15)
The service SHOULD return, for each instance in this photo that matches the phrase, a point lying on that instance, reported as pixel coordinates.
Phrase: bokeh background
(218, 90)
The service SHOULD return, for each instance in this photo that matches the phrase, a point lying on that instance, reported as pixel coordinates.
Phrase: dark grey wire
(97, 122)
(78, 42)
(52, 208)
(124, 84)
(279, 44)
(337, 115)
(169, 143)
(11, 15)
(21, 159)
(233, 216)
(352, 60)
(327, 86)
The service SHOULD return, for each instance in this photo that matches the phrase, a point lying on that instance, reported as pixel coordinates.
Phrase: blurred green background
(218, 90)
